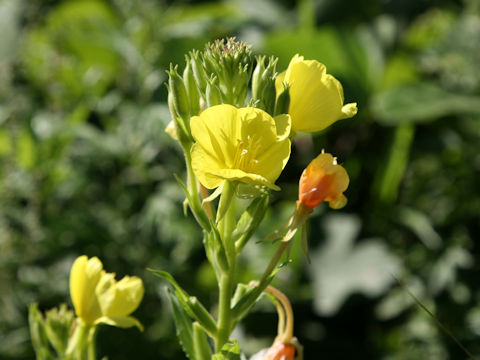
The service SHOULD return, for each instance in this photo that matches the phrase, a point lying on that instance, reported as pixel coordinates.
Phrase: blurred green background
(86, 168)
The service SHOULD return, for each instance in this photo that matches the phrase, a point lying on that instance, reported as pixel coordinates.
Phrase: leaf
(421, 102)
(184, 326)
(230, 351)
(340, 269)
(190, 304)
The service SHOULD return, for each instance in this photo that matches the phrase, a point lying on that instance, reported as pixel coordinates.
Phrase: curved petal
(272, 160)
(203, 164)
(284, 126)
(120, 321)
(349, 110)
(128, 295)
(106, 291)
(84, 277)
(256, 123)
(217, 130)
(239, 175)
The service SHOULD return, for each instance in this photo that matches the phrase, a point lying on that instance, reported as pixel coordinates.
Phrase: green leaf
(201, 345)
(190, 304)
(184, 326)
(421, 102)
(230, 351)
(250, 221)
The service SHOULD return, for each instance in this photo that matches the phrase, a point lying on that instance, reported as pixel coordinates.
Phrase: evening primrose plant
(235, 116)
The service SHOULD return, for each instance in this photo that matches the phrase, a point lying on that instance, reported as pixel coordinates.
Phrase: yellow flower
(99, 299)
(316, 98)
(245, 145)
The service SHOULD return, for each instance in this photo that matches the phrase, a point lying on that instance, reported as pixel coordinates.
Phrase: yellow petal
(170, 130)
(217, 130)
(242, 176)
(84, 277)
(203, 164)
(349, 110)
(338, 202)
(284, 126)
(106, 291)
(120, 321)
(128, 294)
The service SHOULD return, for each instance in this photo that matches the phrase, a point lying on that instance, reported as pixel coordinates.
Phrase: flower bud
(263, 83)
(192, 88)
(198, 71)
(179, 99)
(283, 100)
(316, 98)
(230, 62)
(213, 94)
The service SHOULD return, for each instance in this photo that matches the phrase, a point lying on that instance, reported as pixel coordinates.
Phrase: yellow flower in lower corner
(99, 299)
(316, 98)
(245, 145)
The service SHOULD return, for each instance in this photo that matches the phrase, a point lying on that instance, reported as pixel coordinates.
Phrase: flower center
(246, 154)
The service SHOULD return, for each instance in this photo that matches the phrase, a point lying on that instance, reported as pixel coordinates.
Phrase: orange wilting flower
(323, 180)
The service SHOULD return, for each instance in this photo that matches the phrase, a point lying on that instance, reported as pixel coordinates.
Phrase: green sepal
(200, 342)
(197, 210)
(228, 192)
(180, 100)
(304, 243)
(250, 221)
(190, 304)
(283, 101)
(212, 93)
(192, 88)
(198, 71)
(219, 249)
(58, 325)
(250, 297)
(230, 351)
(183, 326)
(263, 83)
(38, 333)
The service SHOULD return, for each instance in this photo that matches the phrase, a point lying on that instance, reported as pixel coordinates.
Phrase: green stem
(91, 344)
(227, 279)
(224, 324)
(273, 263)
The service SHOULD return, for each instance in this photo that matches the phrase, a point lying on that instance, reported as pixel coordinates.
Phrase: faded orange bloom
(280, 351)
(323, 180)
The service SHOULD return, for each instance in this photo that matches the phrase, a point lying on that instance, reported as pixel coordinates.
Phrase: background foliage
(86, 168)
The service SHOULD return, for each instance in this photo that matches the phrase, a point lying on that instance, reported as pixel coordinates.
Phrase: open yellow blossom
(316, 98)
(245, 145)
(99, 299)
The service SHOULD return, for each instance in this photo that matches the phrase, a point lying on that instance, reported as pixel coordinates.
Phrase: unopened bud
(283, 101)
(192, 89)
(198, 71)
(263, 83)
(213, 94)
(177, 89)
